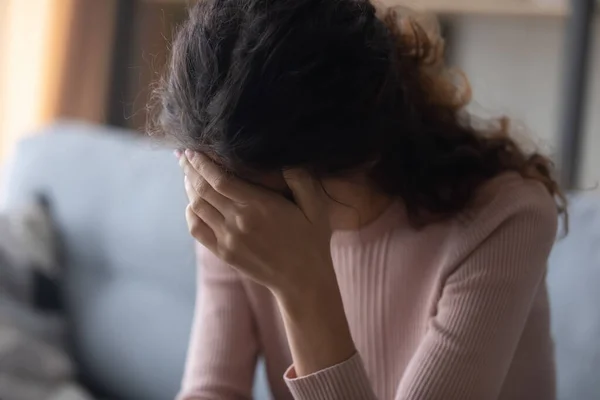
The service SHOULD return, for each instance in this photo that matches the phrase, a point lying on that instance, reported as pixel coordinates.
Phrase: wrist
(298, 298)
(316, 326)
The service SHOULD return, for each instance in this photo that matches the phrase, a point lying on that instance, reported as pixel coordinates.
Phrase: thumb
(308, 192)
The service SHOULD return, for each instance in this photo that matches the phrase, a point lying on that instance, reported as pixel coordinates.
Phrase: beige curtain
(22, 60)
(83, 35)
(54, 62)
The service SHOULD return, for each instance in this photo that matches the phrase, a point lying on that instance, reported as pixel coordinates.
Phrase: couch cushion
(573, 280)
(118, 202)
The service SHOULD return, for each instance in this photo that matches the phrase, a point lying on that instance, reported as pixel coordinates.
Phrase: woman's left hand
(282, 245)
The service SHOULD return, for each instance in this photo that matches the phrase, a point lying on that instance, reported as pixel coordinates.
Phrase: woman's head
(264, 85)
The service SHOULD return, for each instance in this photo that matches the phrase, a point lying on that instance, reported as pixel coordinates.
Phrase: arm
(496, 272)
(223, 345)
(482, 312)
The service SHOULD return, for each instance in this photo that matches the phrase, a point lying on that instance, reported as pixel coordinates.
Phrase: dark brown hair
(330, 86)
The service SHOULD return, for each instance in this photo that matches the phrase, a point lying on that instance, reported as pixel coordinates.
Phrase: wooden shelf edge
(515, 8)
(482, 7)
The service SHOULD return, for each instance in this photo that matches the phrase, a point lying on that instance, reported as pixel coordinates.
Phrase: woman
(358, 231)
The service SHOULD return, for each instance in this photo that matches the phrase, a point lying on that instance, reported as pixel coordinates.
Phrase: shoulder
(510, 195)
(511, 206)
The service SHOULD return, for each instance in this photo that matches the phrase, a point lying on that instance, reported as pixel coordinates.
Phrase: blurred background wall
(515, 65)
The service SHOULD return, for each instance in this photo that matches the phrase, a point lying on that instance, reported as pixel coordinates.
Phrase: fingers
(189, 190)
(202, 208)
(200, 230)
(308, 193)
(197, 186)
(223, 183)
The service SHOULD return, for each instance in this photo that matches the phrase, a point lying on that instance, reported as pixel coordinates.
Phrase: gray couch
(130, 275)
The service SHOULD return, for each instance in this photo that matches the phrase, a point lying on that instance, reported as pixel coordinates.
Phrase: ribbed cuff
(345, 381)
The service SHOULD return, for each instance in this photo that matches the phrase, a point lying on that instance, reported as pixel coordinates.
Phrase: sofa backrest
(574, 287)
(130, 272)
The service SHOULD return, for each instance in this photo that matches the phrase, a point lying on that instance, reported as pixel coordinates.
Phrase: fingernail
(189, 154)
(177, 153)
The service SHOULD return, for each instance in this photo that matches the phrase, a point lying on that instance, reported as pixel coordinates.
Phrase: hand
(282, 245)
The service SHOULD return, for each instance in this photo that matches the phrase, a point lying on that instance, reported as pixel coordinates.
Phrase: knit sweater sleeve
(223, 345)
(498, 266)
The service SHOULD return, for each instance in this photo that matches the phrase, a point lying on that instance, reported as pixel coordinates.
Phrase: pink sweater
(454, 311)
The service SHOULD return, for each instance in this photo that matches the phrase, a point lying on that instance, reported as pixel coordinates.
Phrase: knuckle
(197, 206)
(189, 213)
(221, 183)
(200, 187)
(230, 241)
(246, 223)
(195, 230)
(193, 222)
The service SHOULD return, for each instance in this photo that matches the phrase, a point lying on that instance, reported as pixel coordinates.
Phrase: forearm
(316, 327)
(223, 346)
